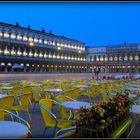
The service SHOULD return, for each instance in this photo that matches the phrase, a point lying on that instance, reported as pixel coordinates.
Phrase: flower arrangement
(104, 116)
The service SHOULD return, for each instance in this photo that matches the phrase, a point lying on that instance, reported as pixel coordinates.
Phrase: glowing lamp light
(59, 48)
(31, 43)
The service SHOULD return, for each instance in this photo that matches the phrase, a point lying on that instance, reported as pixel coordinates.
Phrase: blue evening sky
(95, 23)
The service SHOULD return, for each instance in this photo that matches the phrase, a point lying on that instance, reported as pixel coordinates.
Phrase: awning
(17, 66)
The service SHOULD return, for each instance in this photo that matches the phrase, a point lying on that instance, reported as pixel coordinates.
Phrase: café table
(2, 95)
(38, 85)
(10, 129)
(7, 89)
(75, 104)
(81, 86)
(54, 91)
(133, 89)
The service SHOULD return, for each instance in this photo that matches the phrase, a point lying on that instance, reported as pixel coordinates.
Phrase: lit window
(45, 55)
(30, 39)
(35, 54)
(27, 64)
(19, 37)
(6, 35)
(9, 64)
(126, 58)
(13, 52)
(19, 52)
(136, 57)
(6, 51)
(58, 57)
(24, 38)
(111, 58)
(30, 54)
(24, 53)
(0, 33)
(45, 42)
(131, 58)
(36, 40)
(115, 58)
(13, 36)
(2, 64)
(40, 55)
(22, 64)
(40, 40)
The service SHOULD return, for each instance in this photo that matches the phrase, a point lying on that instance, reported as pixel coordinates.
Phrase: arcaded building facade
(123, 58)
(30, 50)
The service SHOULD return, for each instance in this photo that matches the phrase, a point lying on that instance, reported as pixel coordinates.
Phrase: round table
(135, 109)
(75, 104)
(10, 129)
(81, 86)
(6, 88)
(38, 85)
(133, 89)
(53, 91)
(3, 95)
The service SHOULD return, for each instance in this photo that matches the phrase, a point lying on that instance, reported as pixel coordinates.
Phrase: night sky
(95, 23)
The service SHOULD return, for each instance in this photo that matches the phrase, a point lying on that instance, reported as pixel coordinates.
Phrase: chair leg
(29, 116)
(44, 131)
(18, 115)
(33, 107)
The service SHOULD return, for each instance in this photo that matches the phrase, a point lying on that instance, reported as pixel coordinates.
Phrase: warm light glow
(6, 51)
(24, 38)
(6, 35)
(12, 52)
(59, 48)
(31, 43)
(40, 40)
(131, 58)
(13, 36)
(2, 64)
(9, 64)
(19, 37)
(35, 40)
(24, 53)
(136, 57)
(30, 39)
(40, 55)
(0, 33)
(35, 54)
(125, 58)
(45, 42)
(45, 55)
(30, 54)
(19, 52)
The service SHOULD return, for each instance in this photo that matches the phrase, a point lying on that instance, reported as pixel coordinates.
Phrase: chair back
(24, 83)
(36, 94)
(63, 110)
(16, 90)
(7, 102)
(25, 100)
(26, 89)
(1, 114)
(46, 111)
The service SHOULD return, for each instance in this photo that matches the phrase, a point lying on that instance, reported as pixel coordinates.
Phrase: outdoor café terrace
(107, 107)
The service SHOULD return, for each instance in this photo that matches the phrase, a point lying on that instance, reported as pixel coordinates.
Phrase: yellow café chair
(24, 103)
(50, 118)
(63, 111)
